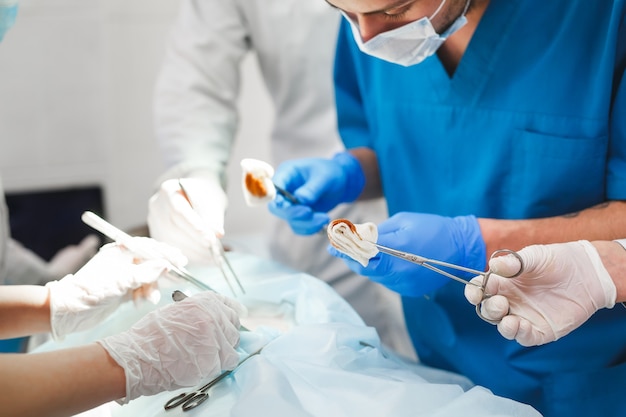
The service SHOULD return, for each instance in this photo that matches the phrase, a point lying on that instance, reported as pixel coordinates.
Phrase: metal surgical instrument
(434, 264)
(190, 400)
(116, 235)
(292, 198)
(219, 252)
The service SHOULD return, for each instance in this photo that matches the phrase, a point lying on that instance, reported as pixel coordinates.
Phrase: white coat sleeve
(197, 89)
(24, 267)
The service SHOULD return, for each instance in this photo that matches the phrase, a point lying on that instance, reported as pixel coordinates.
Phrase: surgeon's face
(377, 16)
(8, 13)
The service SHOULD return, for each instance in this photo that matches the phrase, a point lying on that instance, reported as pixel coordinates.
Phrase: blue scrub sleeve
(351, 118)
(616, 171)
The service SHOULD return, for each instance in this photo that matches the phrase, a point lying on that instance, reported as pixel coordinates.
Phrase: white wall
(76, 82)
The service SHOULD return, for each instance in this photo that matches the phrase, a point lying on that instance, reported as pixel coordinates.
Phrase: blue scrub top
(532, 124)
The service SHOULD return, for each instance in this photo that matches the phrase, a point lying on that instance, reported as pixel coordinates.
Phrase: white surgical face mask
(409, 44)
(8, 12)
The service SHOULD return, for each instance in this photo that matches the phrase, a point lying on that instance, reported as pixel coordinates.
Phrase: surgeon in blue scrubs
(486, 124)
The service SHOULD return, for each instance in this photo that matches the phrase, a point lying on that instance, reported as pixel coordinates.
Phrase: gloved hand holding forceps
(560, 287)
(321, 184)
(455, 240)
(190, 212)
(193, 220)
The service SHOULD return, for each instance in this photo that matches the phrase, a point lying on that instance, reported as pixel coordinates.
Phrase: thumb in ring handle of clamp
(500, 252)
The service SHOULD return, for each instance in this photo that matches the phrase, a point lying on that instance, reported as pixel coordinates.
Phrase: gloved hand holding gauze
(354, 240)
(178, 345)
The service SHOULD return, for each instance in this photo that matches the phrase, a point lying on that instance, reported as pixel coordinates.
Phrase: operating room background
(76, 87)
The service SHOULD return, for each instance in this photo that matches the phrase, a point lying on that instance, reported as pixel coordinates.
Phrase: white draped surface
(319, 359)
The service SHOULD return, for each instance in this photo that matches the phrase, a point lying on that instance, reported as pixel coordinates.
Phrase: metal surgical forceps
(433, 266)
(292, 198)
(221, 258)
(193, 399)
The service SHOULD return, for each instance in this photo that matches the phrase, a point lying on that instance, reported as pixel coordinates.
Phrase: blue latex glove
(456, 240)
(319, 185)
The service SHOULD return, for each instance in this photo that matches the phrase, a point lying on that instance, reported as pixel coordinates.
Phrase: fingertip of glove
(239, 309)
(526, 334)
(279, 206)
(230, 361)
(337, 253)
(506, 266)
(90, 243)
(496, 307)
(473, 294)
(333, 251)
(308, 225)
(509, 327)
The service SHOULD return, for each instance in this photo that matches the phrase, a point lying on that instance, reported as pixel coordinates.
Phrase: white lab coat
(196, 119)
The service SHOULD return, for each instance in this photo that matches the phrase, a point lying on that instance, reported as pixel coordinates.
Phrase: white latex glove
(561, 286)
(178, 345)
(193, 228)
(79, 302)
(71, 258)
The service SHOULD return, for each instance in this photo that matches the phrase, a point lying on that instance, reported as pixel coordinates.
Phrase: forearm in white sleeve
(24, 267)
(197, 89)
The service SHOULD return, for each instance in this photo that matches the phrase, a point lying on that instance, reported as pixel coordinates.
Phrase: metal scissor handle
(193, 399)
(487, 275)
(434, 265)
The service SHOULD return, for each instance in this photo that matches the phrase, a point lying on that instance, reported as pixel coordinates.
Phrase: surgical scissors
(430, 264)
(193, 399)
(117, 235)
(218, 251)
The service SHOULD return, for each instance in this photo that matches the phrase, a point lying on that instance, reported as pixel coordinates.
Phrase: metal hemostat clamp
(434, 264)
(228, 273)
(190, 400)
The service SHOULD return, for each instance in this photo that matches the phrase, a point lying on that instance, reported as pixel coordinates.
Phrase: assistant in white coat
(196, 122)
